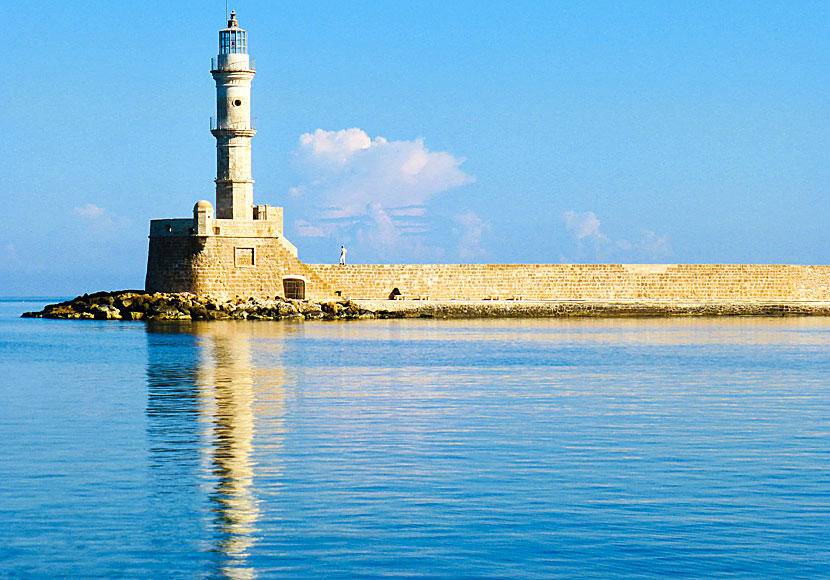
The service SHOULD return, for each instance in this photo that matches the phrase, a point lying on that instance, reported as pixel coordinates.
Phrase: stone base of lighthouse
(229, 257)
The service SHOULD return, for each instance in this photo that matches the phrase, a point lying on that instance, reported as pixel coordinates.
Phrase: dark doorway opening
(294, 288)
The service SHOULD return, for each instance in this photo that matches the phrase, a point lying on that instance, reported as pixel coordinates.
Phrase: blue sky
(671, 132)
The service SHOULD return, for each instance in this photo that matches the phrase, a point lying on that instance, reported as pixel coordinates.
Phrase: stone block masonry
(589, 282)
(227, 266)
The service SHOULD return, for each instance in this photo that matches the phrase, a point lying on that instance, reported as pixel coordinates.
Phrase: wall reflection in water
(203, 391)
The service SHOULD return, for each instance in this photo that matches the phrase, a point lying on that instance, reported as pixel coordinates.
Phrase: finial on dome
(232, 23)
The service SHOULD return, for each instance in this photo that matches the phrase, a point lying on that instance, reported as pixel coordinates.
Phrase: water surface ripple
(415, 448)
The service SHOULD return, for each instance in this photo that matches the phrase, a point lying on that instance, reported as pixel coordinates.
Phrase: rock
(135, 305)
(199, 312)
(61, 311)
(104, 311)
(287, 309)
(332, 308)
(165, 311)
(307, 308)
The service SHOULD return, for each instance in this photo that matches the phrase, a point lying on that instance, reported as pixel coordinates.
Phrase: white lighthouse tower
(233, 72)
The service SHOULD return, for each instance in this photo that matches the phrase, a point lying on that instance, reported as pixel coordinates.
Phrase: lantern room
(233, 40)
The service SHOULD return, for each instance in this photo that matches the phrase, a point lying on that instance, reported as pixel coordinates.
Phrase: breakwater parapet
(138, 305)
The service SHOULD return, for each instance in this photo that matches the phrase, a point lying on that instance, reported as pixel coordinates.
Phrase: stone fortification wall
(170, 263)
(226, 266)
(594, 282)
(250, 264)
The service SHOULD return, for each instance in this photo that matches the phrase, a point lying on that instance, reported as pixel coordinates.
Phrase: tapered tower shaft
(233, 72)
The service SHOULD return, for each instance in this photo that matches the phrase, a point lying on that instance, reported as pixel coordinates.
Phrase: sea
(538, 448)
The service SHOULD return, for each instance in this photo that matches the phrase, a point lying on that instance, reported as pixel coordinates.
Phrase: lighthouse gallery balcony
(225, 63)
(226, 125)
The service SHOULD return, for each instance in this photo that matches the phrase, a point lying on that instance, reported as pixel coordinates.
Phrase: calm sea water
(429, 449)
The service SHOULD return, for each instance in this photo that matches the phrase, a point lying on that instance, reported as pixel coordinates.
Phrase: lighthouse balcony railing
(222, 125)
(232, 64)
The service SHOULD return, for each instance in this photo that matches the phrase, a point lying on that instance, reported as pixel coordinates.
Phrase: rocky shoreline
(138, 305)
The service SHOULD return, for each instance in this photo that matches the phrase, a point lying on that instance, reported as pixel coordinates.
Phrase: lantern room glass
(233, 42)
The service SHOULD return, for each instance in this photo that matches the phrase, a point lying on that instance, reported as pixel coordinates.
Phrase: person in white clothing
(342, 255)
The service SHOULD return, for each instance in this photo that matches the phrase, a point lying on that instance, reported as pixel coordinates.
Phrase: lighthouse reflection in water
(202, 389)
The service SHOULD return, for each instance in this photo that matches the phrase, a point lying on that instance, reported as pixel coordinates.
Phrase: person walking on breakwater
(343, 255)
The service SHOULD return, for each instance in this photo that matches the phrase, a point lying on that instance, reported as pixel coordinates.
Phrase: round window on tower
(237, 102)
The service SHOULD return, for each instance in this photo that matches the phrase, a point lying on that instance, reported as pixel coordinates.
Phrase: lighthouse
(233, 72)
(235, 247)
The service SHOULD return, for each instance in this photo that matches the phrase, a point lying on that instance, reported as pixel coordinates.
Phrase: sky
(422, 132)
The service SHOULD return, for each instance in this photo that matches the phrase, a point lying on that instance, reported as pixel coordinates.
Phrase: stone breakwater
(582, 308)
(138, 305)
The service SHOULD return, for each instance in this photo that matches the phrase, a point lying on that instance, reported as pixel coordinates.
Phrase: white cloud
(371, 191)
(383, 232)
(347, 171)
(654, 245)
(470, 230)
(413, 211)
(336, 146)
(98, 220)
(307, 230)
(380, 237)
(583, 225)
(90, 211)
(593, 244)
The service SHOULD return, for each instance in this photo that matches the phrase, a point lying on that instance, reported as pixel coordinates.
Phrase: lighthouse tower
(238, 249)
(233, 72)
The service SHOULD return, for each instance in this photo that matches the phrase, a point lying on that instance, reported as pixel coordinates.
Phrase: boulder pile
(137, 305)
